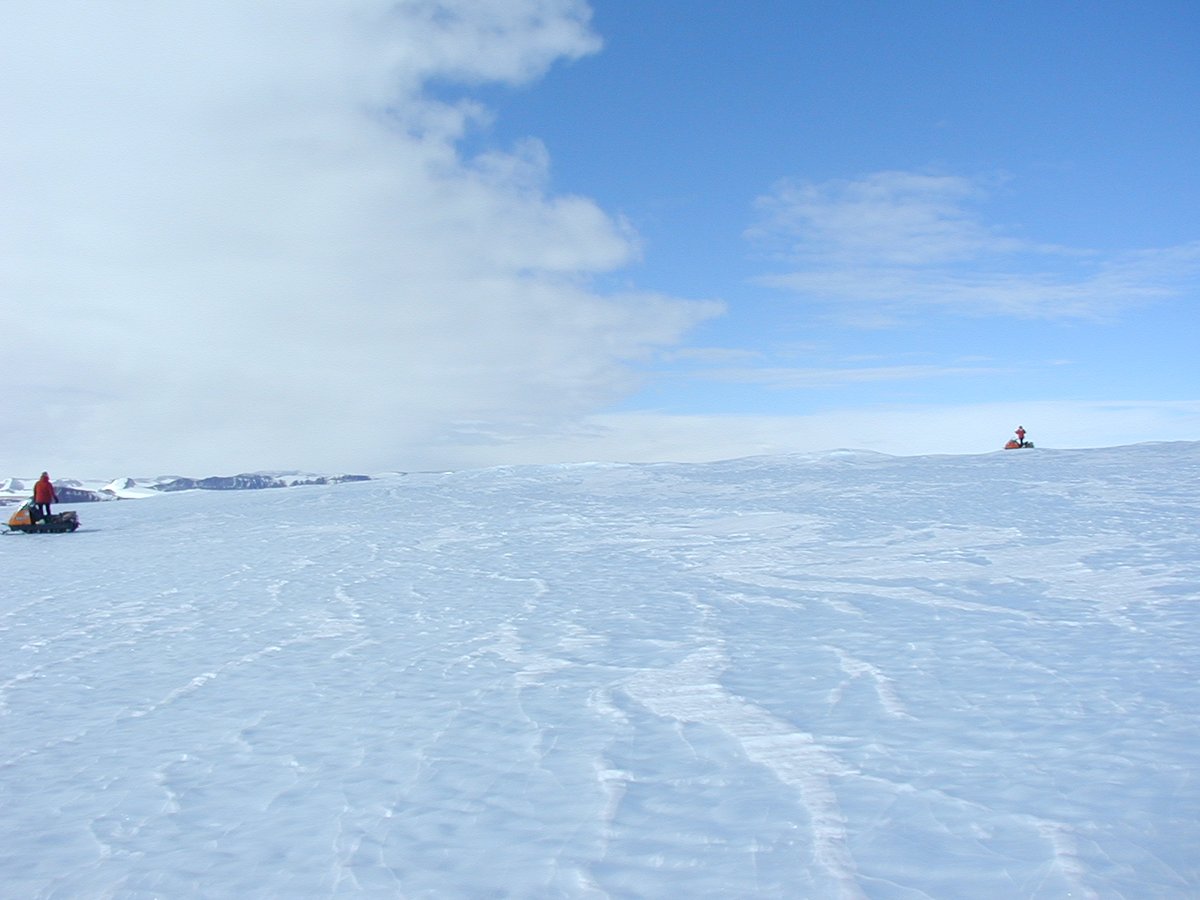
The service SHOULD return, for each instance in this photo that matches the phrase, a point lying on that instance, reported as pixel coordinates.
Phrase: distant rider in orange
(43, 496)
(1021, 435)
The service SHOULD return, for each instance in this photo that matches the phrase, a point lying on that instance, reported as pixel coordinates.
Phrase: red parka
(43, 491)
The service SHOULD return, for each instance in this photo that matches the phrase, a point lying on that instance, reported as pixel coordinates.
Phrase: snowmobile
(1014, 444)
(55, 523)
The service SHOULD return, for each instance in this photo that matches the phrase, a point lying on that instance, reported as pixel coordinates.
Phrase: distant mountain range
(74, 491)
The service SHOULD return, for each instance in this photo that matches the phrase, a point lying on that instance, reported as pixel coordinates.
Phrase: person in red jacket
(43, 496)
(1021, 435)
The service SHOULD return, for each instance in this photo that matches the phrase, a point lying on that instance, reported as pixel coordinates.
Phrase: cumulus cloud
(242, 235)
(894, 243)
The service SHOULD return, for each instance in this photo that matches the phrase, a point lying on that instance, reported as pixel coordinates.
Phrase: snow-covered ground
(841, 675)
(18, 490)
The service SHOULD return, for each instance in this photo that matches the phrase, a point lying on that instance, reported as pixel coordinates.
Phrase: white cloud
(900, 430)
(240, 235)
(894, 243)
(897, 218)
(791, 378)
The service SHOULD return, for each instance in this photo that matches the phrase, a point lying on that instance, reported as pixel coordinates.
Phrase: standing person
(43, 496)
(1021, 435)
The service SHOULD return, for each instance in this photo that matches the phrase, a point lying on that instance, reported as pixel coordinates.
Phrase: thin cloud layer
(910, 429)
(892, 244)
(244, 235)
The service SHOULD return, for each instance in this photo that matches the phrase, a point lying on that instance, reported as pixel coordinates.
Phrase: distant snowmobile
(55, 523)
(1019, 442)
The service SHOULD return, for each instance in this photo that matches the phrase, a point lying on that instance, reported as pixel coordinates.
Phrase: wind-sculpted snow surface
(831, 676)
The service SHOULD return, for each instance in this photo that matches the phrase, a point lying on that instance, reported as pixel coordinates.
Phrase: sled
(55, 523)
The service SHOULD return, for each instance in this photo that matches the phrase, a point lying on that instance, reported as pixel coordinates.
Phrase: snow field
(839, 675)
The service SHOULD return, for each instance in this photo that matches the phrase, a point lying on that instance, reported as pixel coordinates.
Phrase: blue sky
(1069, 130)
(437, 234)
